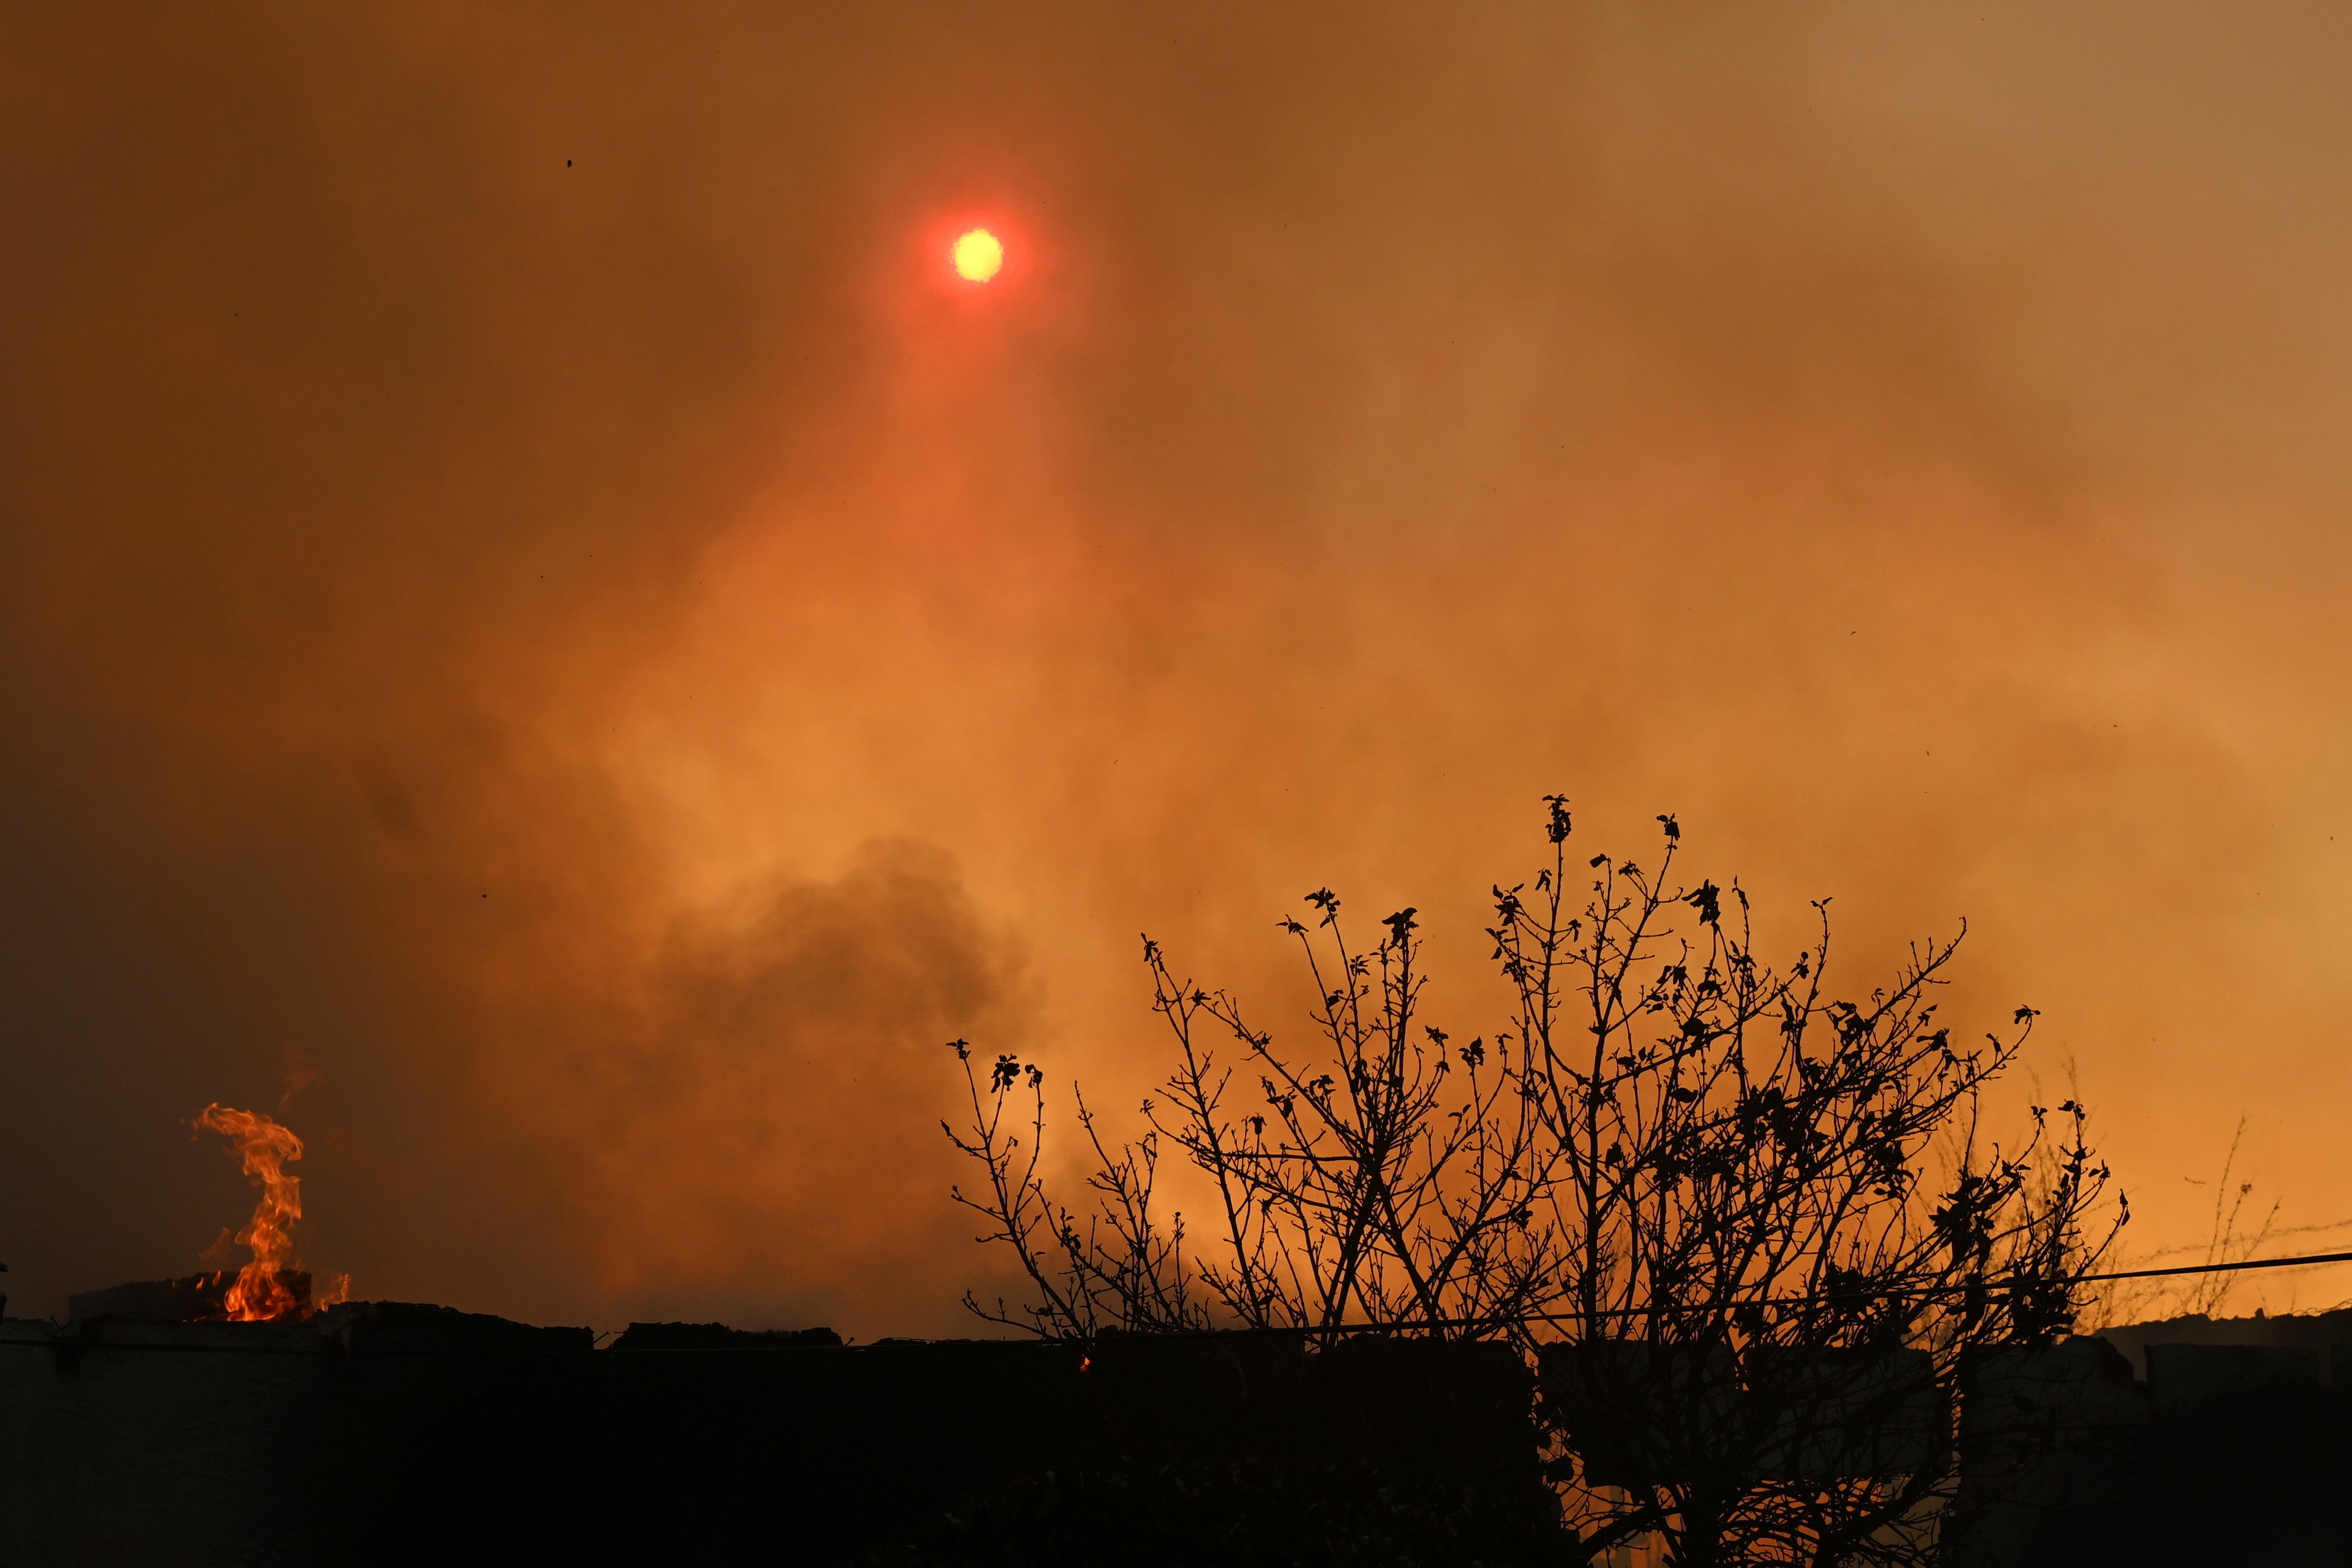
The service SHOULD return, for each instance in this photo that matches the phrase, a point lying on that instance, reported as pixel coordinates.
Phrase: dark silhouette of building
(395, 1432)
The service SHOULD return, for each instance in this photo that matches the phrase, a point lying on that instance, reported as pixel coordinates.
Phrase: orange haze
(529, 602)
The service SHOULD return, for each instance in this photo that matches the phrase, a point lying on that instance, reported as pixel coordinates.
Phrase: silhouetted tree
(1115, 1267)
(1748, 1228)
(2234, 1236)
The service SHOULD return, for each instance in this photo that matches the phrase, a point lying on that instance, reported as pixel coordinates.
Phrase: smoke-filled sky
(543, 640)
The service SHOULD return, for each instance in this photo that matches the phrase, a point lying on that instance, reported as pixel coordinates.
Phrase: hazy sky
(530, 609)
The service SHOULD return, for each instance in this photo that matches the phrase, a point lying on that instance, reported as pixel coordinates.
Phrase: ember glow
(266, 1149)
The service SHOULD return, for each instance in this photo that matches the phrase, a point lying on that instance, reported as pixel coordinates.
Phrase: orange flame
(266, 1149)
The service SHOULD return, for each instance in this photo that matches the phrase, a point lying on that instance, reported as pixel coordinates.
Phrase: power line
(2265, 1234)
(1407, 1325)
(2224, 1267)
(1827, 1299)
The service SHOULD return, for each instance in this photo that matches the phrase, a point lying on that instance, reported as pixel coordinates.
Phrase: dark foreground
(388, 1433)
(385, 1433)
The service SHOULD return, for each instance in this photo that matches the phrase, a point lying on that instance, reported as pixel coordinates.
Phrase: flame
(266, 1148)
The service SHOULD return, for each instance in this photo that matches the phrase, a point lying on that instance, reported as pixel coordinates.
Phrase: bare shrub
(1747, 1226)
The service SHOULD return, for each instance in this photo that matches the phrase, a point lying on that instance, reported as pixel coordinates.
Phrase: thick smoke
(524, 606)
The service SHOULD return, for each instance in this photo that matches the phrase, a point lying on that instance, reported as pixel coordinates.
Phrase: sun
(978, 254)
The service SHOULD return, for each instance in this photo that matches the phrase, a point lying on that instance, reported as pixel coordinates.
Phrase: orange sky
(525, 595)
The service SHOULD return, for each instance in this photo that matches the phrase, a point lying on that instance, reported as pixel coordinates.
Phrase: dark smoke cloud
(521, 598)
